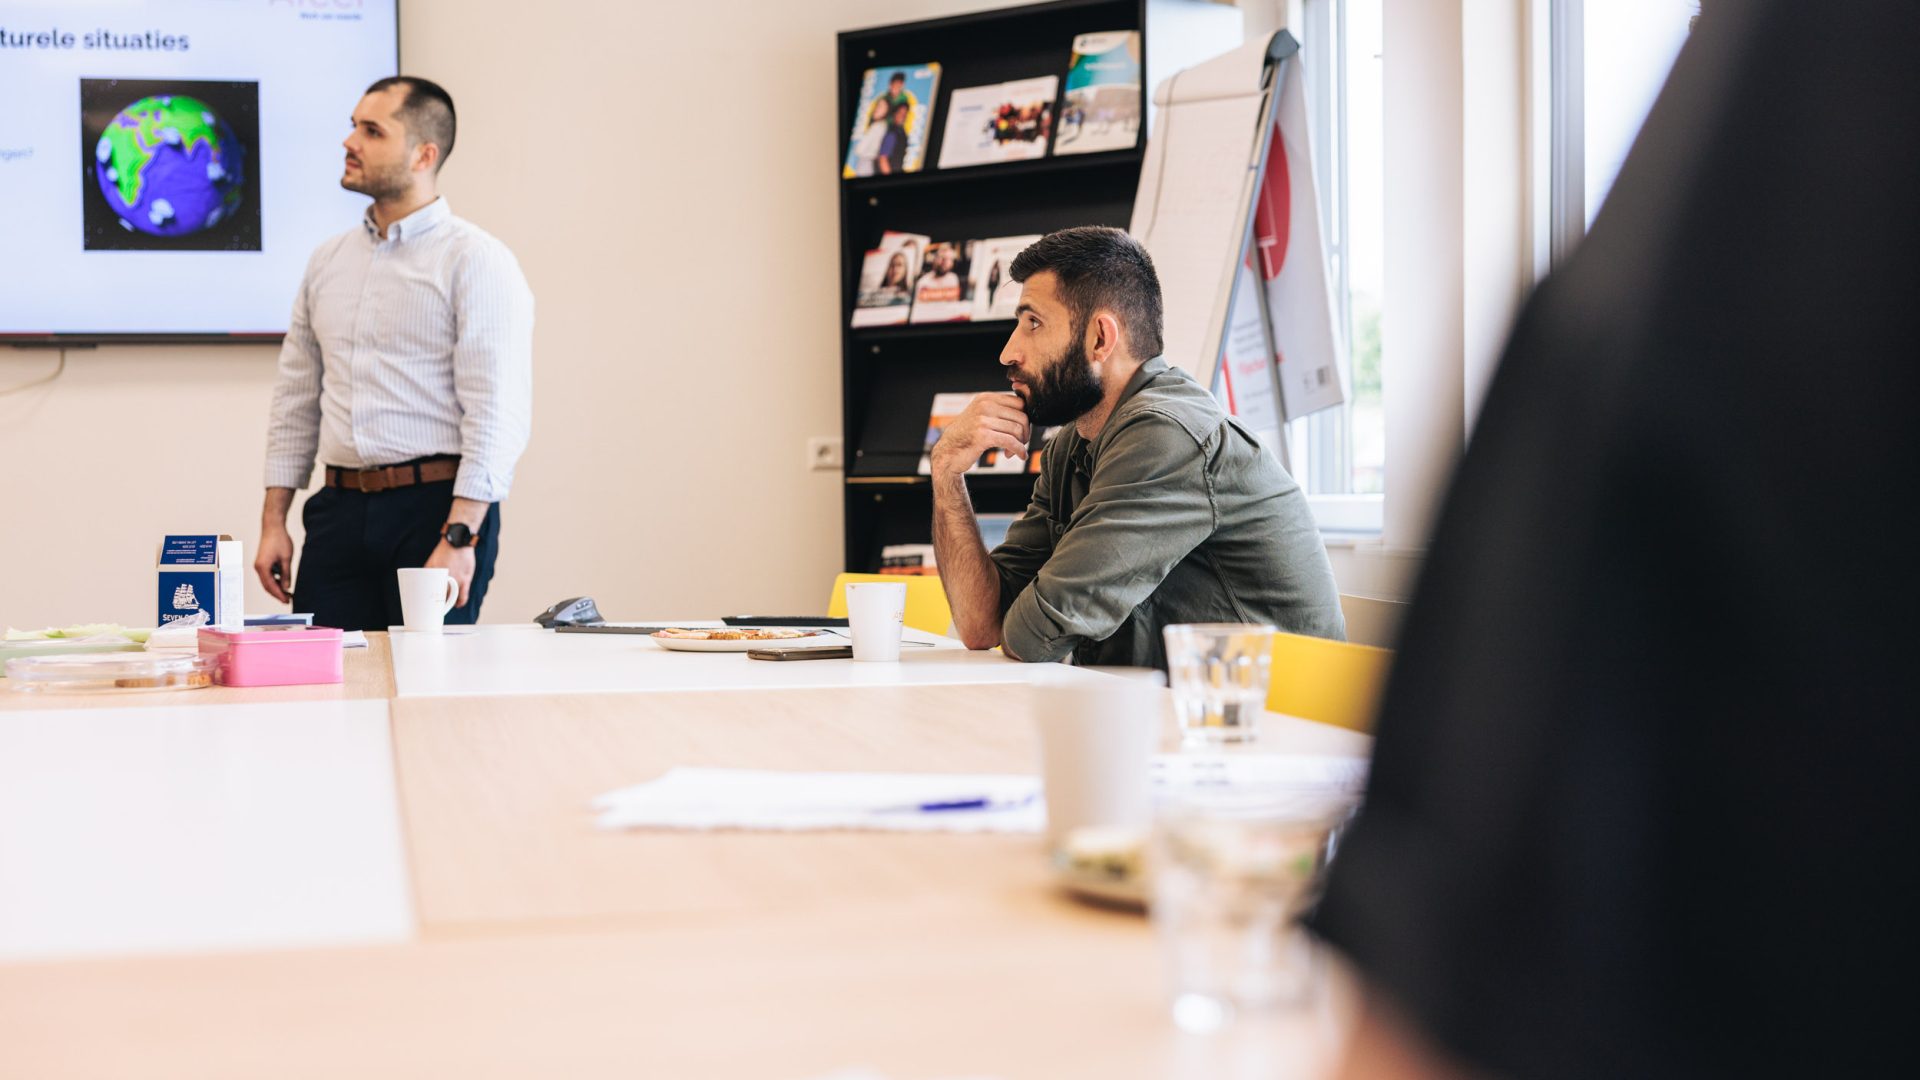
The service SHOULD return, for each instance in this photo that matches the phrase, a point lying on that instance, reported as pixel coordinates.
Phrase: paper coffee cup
(876, 614)
(1097, 741)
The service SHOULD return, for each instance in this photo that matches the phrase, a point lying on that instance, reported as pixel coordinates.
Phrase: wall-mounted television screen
(167, 166)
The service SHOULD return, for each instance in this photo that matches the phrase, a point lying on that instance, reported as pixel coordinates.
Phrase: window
(1609, 59)
(1339, 455)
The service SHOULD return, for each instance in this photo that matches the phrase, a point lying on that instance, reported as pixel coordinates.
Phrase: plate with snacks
(733, 638)
(110, 673)
(1104, 864)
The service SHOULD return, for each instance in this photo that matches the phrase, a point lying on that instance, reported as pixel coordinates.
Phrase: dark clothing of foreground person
(1646, 780)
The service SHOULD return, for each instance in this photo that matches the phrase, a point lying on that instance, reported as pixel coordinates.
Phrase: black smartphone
(817, 652)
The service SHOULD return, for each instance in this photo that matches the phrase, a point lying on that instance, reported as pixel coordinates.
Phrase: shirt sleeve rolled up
(1149, 503)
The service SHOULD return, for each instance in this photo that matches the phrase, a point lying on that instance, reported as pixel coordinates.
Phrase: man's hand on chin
(990, 422)
(458, 562)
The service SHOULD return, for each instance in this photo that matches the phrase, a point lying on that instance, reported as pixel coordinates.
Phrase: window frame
(1566, 89)
(1323, 441)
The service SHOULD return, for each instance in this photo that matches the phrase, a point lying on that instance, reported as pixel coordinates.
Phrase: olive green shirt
(1174, 513)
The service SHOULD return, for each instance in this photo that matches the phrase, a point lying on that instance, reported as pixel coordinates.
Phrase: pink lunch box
(273, 655)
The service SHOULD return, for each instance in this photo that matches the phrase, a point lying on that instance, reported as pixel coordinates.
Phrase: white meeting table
(526, 659)
(273, 827)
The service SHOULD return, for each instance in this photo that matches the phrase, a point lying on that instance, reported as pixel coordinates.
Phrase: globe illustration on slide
(170, 166)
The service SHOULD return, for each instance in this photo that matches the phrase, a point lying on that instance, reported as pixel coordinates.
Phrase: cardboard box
(201, 573)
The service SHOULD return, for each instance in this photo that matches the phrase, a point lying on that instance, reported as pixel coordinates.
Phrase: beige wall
(687, 339)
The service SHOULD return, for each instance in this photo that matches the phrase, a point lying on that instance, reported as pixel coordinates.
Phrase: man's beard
(388, 184)
(1065, 390)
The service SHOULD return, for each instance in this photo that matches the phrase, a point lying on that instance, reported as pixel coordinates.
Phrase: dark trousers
(355, 542)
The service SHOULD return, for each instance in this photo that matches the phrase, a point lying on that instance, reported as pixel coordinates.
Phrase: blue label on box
(189, 551)
(183, 592)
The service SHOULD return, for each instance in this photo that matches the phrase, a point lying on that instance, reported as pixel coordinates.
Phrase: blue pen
(968, 804)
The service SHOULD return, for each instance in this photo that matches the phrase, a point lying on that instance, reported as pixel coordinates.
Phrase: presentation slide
(168, 165)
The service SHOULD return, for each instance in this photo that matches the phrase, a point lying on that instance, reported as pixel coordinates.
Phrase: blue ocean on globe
(170, 166)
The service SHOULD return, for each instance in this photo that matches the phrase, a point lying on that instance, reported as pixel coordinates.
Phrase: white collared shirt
(418, 344)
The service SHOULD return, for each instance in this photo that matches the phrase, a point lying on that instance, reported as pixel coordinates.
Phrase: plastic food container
(273, 655)
(109, 673)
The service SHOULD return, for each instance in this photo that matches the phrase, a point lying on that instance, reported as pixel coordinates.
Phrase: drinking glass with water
(1232, 873)
(1218, 672)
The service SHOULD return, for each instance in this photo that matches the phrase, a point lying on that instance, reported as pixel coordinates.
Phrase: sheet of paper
(1173, 773)
(769, 800)
(695, 798)
(1195, 197)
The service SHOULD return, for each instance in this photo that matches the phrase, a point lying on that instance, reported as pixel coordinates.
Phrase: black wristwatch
(457, 534)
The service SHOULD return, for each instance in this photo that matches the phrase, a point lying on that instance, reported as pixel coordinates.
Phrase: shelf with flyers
(992, 328)
(983, 481)
(1011, 170)
(984, 171)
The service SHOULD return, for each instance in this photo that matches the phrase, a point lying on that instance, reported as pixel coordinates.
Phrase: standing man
(1152, 507)
(408, 368)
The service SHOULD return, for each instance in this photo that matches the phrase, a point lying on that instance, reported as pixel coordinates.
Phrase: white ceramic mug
(1097, 741)
(427, 593)
(877, 614)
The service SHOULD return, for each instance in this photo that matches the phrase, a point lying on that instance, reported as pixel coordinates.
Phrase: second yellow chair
(1333, 682)
(926, 600)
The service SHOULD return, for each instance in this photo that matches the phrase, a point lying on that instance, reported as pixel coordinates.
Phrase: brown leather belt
(387, 477)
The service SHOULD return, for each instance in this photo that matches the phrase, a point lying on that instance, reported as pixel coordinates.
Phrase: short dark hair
(1100, 267)
(898, 76)
(427, 111)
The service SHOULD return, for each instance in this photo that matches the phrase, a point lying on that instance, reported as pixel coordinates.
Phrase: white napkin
(688, 798)
(1184, 772)
(181, 635)
(692, 798)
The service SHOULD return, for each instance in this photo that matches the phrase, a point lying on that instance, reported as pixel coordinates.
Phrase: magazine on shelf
(944, 292)
(891, 122)
(1046, 436)
(1102, 106)
(1008, 121)
(908, 559)
(946, 408)
(995, 293)
(885, 294)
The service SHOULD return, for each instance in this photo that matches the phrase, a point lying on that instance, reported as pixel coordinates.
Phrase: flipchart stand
(1194, 210)
(1227, 209)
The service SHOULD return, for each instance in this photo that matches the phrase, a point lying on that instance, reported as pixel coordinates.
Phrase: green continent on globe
(134, 144)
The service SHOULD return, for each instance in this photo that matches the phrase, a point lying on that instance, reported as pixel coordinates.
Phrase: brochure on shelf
(944, 291)
(885, 293)
(1101, 110)
(995, 293)
(891, 122)
(909, 560)
(1010, 121)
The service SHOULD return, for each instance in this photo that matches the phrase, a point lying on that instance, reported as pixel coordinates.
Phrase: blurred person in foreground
(1646, 770)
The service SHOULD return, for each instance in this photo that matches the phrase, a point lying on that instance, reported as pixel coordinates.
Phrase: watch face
(458, 535)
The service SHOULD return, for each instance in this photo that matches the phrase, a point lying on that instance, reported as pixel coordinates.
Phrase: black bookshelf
(890, 374)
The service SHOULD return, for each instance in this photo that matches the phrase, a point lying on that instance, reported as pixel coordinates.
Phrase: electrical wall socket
(823, 452)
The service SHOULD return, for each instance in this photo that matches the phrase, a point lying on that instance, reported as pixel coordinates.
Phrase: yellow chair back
(1333, 682)
(926, 600)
